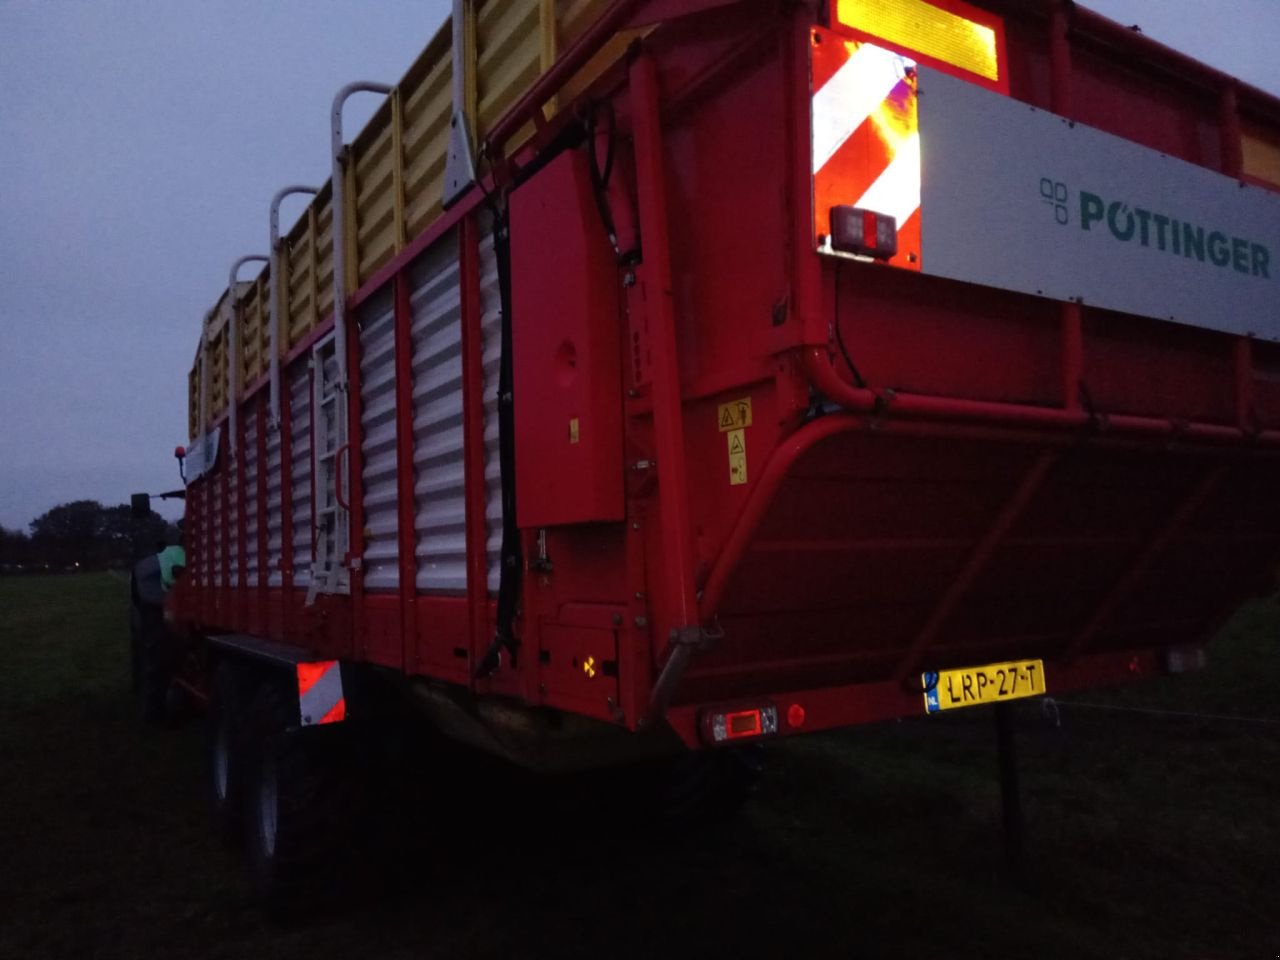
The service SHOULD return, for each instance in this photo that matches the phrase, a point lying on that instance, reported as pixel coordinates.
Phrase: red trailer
(734, 370)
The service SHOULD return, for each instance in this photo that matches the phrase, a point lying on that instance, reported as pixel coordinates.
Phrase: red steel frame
(688, 600)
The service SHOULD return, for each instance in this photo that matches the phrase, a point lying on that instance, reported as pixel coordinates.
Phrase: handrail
(275, 293)
(817, 366)
(338, 148)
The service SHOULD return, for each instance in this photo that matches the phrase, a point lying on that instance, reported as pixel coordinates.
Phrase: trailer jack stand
(1010, 796)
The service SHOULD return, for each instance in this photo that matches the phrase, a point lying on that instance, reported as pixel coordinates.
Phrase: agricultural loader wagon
(658, 377)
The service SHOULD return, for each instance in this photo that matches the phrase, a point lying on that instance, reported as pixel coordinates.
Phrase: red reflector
(795, 715)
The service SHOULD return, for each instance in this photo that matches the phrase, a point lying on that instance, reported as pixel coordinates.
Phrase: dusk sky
(140, 144)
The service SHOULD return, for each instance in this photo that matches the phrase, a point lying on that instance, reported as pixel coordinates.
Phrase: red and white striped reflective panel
(866, 138)
(320, 697)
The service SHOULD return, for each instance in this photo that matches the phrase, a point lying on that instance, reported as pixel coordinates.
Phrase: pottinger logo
(1159, 231)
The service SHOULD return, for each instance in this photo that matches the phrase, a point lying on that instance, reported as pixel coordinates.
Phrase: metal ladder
(329, 573)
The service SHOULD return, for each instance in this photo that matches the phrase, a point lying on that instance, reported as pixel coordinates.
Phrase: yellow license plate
(973, 686)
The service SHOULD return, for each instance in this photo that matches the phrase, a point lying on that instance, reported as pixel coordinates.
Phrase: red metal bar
(406, 540)
(889, 403)
(762, 495)
(546, 86)
(224, 540)
(286, 509)
(206, 545)
(1062, 99)
(1124, 587)
(477, 530)
(975, 565)
(806, 267)
(668, 415)
(355, 486)
(263, 534)
(1072, 354)
(241, 602)
(825, 708)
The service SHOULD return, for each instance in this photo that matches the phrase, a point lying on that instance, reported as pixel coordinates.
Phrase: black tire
(224, 753)
(297, 817)
(152, 666)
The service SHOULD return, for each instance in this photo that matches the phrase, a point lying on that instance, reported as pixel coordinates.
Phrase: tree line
(83, 535)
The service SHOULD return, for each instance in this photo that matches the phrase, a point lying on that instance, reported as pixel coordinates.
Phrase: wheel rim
(221, 763)
(268, 806)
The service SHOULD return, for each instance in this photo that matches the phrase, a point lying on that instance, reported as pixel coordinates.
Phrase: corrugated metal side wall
(440, 510)
(250, 454)
(275, 528)
(378, 441)
(491, 351)
(233, 528)
(299, 399)
(218, 526)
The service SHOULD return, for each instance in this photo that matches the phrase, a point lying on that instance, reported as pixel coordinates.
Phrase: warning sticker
(738, 455)
(735, 415)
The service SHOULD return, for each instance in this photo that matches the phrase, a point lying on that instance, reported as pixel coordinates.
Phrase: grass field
(1149, 835)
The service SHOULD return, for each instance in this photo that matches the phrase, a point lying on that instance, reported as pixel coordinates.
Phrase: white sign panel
(1020, 199)
(201, 456)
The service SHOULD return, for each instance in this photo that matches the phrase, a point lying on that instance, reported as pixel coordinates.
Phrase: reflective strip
(320, 698)
(846, 100)
(866, 139)
(897, 190)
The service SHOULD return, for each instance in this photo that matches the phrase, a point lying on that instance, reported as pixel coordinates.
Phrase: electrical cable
(844, 351)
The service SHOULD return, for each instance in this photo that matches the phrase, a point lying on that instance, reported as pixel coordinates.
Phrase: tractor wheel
(151, 666)
(224, 753)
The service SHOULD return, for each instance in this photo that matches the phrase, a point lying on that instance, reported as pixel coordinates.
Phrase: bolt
(642, 621)
(635, 525)
(629, 278)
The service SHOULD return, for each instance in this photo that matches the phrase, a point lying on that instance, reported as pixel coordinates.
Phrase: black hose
(844, 351)
(512, 555)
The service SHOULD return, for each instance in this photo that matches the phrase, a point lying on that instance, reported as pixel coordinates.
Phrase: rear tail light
(723, 725)
(863, 233)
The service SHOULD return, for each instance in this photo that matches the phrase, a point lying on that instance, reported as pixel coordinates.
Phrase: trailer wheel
(295, 803)
(224, 751)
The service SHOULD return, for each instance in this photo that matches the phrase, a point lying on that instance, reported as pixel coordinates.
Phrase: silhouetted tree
(15, 549)
(86, 534)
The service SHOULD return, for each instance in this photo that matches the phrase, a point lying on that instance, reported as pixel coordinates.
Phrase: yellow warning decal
(738, 456)
(735, 414)
(573, 430)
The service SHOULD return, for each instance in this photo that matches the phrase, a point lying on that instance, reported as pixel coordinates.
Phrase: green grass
(1149, 836)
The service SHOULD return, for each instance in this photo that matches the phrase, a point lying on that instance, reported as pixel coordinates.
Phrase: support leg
(1010, 796)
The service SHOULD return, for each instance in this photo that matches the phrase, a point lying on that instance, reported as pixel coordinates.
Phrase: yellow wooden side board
(394, 177)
